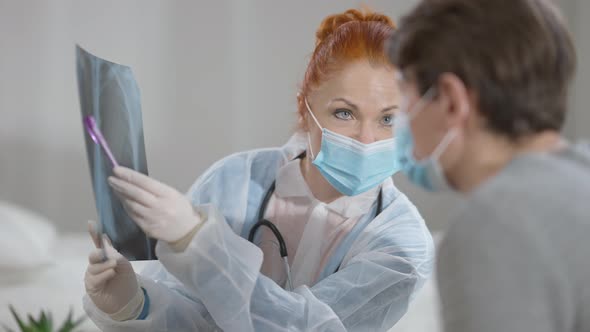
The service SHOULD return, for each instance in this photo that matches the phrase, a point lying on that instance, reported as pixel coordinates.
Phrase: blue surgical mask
(350, 166)
(426, 173)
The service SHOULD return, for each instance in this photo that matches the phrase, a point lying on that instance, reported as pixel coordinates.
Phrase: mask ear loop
(311, 113)
(310, 148)
(448, 138)
(421, 104)
(444, 144)
(316, 122)
(418, 107)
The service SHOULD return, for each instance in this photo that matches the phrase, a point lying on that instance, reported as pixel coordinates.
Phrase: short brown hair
(516, 55)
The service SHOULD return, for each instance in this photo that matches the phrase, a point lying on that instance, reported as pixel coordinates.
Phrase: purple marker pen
(96, 135)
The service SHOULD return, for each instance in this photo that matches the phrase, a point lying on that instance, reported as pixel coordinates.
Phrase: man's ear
(456, 98)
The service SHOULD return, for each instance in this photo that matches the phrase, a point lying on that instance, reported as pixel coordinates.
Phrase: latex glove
(160, 211)
(112, 284)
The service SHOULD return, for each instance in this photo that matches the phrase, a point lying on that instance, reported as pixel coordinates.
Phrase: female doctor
(311, 236)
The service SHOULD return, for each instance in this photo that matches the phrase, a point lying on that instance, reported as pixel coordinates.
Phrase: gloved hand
(112, 284)
(160, 211)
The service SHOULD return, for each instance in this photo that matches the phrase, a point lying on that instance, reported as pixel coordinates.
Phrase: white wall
(216, 77)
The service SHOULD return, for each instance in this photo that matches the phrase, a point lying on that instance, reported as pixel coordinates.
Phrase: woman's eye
(343, 114)
(387, 120)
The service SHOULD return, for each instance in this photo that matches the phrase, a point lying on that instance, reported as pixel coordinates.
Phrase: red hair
(344, 38)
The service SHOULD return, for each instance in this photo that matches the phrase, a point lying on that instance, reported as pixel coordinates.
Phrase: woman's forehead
(360, 82)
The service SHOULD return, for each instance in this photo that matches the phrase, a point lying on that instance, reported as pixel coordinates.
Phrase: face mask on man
(427, 172)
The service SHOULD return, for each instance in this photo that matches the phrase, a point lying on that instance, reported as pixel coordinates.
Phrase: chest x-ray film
(110, 97)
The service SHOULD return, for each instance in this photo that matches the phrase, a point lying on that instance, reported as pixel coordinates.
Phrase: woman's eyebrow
(347, 102)
(390, 108)
(352, 105)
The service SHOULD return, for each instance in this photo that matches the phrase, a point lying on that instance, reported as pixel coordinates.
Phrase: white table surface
(60, 288)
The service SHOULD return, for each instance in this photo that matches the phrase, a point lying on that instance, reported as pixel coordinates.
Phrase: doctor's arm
(371, 291)
(154, 300)
(169, 309)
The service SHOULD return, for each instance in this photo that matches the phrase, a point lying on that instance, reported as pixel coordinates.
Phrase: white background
(216, 77)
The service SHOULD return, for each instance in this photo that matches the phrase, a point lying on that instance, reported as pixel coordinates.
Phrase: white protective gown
(216, 283)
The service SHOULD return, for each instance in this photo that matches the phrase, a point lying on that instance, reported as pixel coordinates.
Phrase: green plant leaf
(70, 315)
(69, 325)
(32, 321)
(45, 322)
(42, 322)
(78, 322)
(20, 323)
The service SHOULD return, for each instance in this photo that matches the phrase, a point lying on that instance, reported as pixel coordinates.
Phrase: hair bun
(331, 23)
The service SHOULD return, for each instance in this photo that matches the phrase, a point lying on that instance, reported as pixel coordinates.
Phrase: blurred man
(485, 85)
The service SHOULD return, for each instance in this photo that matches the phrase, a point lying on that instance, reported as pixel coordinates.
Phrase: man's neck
(490, 155)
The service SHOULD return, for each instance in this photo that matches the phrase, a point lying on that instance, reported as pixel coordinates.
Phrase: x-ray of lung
(109, 93)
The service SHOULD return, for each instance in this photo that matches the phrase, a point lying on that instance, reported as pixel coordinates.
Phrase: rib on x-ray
(109, 93)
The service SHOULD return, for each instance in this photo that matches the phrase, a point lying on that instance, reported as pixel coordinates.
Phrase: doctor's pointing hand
(159, 210)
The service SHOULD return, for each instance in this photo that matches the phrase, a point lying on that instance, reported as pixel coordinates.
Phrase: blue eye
(387, 120)
(343, 114)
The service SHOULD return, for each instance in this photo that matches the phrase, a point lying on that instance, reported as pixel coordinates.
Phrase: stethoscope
(277, 234)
